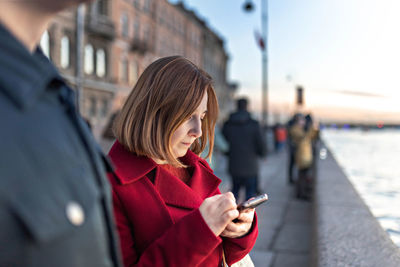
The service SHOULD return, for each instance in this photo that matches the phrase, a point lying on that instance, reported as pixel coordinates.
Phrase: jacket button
(75, 213)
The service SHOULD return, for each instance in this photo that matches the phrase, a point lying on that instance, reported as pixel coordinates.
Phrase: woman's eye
(193, 117)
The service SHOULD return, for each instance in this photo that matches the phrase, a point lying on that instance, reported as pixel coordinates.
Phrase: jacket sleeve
(261, 146)
(175, 247)
(236, 248)
(225, 130)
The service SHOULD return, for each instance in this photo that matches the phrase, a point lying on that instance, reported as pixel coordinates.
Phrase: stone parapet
(345, 233)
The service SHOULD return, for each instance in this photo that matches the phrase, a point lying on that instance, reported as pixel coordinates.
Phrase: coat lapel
(203, 181)
(175, 192)
(201, 185)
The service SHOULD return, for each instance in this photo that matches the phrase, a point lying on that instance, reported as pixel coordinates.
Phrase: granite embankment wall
(345, 233)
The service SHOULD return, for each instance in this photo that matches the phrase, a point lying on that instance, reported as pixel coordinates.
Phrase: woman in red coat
(168, 208)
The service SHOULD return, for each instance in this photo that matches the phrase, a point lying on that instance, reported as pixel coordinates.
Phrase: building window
(92, 107)
(146, 35)
(136, 3)
(125, 25)
(124, 70)
(133, 73)
(100, 62)
(104, 108)
(88, 59)
(147, 6)
(136, 25)
(102, 7)
(65, 52)
(45, 44)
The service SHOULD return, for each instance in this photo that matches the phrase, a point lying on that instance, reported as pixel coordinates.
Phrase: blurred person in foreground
(55, 201)
(246, 146)
(167, 204)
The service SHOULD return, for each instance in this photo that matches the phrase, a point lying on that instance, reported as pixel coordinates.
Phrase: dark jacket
(55, 201)
(246, 144)
(159, 221)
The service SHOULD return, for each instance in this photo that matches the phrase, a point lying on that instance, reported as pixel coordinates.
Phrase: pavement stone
(291, 260)
(293, 238)
(299, 212)
(261, 257)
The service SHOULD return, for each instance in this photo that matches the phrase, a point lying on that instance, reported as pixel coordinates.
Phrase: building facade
(120, 38)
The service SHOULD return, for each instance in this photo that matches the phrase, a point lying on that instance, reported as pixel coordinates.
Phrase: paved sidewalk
(284, 222)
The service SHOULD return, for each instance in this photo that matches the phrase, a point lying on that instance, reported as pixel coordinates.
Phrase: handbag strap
(224, 264)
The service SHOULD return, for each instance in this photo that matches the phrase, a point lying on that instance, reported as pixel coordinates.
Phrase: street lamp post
(248, 7)
(264, 27)
(80, 24)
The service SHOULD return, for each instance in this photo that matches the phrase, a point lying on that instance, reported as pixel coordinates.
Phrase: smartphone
(253, 202)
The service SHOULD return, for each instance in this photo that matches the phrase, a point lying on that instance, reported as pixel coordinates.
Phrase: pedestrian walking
(246, 146)
(55, 201)
(302, 134)
(279, 137)
(168, 208)
(291, 145)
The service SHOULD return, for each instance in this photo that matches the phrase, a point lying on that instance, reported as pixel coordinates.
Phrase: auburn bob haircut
(166, 94)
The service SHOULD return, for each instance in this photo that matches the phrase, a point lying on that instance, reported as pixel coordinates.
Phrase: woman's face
(189, 131)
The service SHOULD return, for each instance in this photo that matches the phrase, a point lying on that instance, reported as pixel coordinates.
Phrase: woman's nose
(195, 131)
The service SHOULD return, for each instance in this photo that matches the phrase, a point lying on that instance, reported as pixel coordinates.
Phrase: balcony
(100, 25)
(140, 46)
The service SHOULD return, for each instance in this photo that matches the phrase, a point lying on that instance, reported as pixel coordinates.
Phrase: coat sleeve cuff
(237, 248)
(209, 241)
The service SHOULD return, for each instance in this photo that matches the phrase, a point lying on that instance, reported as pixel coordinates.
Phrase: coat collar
(24, 76)
(128, 166)
(203, 183)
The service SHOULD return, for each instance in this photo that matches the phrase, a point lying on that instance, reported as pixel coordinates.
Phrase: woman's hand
(241, 226)
(218, 211)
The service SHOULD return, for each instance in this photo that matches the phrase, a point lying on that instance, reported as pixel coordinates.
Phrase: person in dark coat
(246, 145)
(55, 200)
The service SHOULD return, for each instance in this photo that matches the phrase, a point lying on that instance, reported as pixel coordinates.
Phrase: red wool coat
(159, 223)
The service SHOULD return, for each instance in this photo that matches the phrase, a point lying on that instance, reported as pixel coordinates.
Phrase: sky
(344, 53)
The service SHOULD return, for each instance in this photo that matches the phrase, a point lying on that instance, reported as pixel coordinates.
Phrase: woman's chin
(181, 153)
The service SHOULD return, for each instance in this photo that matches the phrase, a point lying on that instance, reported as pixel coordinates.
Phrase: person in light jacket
(168, 208)
(303, 135)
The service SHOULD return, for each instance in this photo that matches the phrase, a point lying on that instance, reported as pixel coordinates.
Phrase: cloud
(358, 93)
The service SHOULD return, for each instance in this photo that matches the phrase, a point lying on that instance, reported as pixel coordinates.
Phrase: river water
(371, 160)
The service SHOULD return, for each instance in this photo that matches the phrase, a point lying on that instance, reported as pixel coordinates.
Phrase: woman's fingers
(218, 211)
(234, 227)
(241, 226)
(230, 215)
(227, 201)
(234, 230)
(246, 215)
